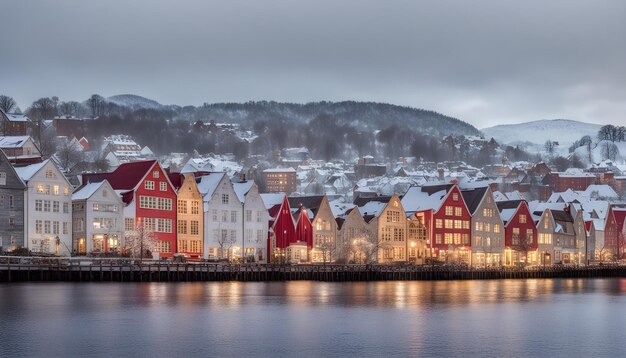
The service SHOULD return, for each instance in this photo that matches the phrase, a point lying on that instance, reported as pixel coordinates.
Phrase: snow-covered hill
(134, 102)
(564, 131)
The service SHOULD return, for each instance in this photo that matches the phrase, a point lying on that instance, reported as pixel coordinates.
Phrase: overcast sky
(485, 62)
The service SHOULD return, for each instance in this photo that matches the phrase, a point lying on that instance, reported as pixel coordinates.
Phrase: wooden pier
(15, 269)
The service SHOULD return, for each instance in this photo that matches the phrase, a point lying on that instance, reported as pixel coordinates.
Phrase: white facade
(98, 219)
(255, 221)
(48, 212)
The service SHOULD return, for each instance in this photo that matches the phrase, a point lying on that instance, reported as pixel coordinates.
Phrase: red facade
(520, 231)
(611, 233)
(304, 228)
(281, 227)
(157, 209)
(449, 223)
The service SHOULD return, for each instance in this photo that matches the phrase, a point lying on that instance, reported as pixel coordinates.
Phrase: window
(487, 227)
(55, 206)
(488, 212)
(479, 241)
(233, 216)
(66, 208)
(455, 197)
(195, 207)
(66, 191)
(38, 227)
(393, 216)
(386, 234)
(149, 185)
(46, 206)
(466, 224)
(545, 223)
(465, 239)
(129, 224)
(224, 216)
(458, 211)
(164, 246)
(496, 228)
(182, 227)
(55, 227)
(438, 223)
(449, 210)
(458, 224)
(182, 207)
(448, 238)
(522, 219)
(3, 178)
(545, 238)
(449, 224)
(438, 239)
(163, 186)
(530, 236)
(479, 226)
(259, 216)
(248, 215)
(151, 202)
(214, 214)
(194, 229)
(46, 227)
(56, 190)
(12, 222)
(50, 174)
(155, 174)
(38, 205)
(224, 198)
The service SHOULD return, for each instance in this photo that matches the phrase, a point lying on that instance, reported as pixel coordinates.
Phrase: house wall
(255, 225)
(12, 194)
(391, 227)
(165, 232)
(324, 234)
(49, 185)
(449, 240)
(514, 249)
(190, 219)
(222, 222)
(487, 233)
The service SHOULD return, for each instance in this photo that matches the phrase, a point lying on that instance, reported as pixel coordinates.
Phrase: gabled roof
(242, 188)
(27, 172)
(311, 203)
(361, 201)
(272, 199)
(473, 198)
(208, 183)
(13, 141)
(12, 117)
(508, 208)
(128, 175)
(429, 197)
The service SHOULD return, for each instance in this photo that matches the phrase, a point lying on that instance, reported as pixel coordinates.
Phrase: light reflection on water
(456, 318)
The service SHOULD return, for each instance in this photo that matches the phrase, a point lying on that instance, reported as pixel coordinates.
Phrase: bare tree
(523, 244)
(69, 153)
(365, 248)
(7, 103)
(71, 109)
(141, 240)
(225, 243)
(96, 104)
(42, 109)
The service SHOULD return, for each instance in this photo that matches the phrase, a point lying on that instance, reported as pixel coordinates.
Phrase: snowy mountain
(134, 102)
(564, 131)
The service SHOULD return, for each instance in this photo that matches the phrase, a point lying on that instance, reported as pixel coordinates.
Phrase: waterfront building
(97, 219)
(254, 221)
(387, 220)
(446, 217)
(355, 241)
(12, 194)
(149, 198)
(282, 243)
(48, 208)
(487, 227)
(520, 233)
(324, 226)
(190, 219)
(561, 235)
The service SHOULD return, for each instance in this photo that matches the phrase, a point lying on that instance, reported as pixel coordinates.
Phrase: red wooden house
(282, 231)
(520, 232)
(150, 199)
(299, 249)
(448, 221)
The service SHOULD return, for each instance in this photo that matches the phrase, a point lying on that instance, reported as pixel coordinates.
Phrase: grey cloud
(486, 62)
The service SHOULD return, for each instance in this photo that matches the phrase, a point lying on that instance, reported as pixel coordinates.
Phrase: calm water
(308, 319)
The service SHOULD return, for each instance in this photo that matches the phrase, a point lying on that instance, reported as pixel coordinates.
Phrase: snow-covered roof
(87, 191)
(16, 117)
(507, 214)
(13, 141)
(208, 183)
(271, 199)
(242, 188)
(339, 207)
(279, 170)
(374, 208)
(416, 199)
(27, 172)
(601, 191)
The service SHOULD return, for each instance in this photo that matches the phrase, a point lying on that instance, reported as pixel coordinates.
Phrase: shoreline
(195, 272)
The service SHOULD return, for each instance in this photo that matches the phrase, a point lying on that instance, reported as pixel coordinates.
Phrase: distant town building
(13, 124)
(280, 180)
(12, 193)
